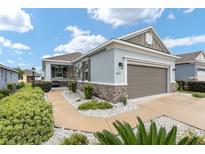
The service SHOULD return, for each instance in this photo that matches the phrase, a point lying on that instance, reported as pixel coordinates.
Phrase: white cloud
(82, 41)
(184, 41)
(0, 51)
(10, 61)
(46, 56)
(76, 31)
(118, 17)
(171, 16)
(22, 64)
(15, 20)
(7, 43)
(189, 10)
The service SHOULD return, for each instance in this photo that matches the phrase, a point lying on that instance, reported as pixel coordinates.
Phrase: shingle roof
(8, 68)
(66, 57)
(28, 72)
(188, 57)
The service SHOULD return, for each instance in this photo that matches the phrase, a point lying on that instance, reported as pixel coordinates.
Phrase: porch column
(48, 72)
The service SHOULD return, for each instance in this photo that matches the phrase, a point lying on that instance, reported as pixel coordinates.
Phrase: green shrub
(20, 85)
(94, 105)
(25, 118)
(5, 92)
(126, 135)
(1, 96)
(88, 91)
(181, 85)
(192, 134)
(124, 99)
(197, 86)
(199, 95)
(76, 139)
(44, 85)
(74, 86)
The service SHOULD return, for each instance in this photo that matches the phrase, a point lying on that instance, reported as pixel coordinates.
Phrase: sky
(28, 35)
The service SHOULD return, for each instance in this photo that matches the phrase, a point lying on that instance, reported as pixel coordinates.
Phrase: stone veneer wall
(107, 92)
(114, 93)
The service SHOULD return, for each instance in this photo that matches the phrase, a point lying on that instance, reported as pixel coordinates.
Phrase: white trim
(145, 62)
(103, 83)
(127, 44)
(127, 36)
(50, 60)
(146, 49)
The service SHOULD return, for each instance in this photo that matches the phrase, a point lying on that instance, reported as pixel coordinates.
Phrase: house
(191, 66)
(137, 64)
(7, 75)
(28, 75)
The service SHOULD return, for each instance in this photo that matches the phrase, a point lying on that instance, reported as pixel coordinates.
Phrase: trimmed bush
(94, 105)
(75, 139)
(11, 86)
(199, 95)
(124, 99)
(74, 86)
(5, 92)
(181, 85)
(44, 85)
(20, 85)
(1, 95)
(88, 91)
(25, 118)
(197, 86)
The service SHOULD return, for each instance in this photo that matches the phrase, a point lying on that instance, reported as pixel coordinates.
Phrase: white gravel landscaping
(163, 121)
(60, 134)
(75, 99)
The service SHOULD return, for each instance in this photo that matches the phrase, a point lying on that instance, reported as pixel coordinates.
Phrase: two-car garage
(146, 80)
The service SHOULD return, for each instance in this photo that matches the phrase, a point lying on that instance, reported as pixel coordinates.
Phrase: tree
(21, 72)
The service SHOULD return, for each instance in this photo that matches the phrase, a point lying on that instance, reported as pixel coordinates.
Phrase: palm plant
(126, 135)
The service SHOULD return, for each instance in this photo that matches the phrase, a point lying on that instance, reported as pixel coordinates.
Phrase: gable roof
(144, 30)
(188, 57)
(28, 72)
(8, 68)
(69, 57)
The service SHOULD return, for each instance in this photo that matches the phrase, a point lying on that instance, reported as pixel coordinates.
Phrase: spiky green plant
(126, 135)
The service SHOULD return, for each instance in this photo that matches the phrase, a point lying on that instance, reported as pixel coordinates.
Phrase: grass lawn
(193, 93)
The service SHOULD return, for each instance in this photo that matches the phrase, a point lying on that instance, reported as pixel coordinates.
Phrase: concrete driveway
(183, 108)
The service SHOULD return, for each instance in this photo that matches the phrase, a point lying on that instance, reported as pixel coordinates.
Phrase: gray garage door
(145, 81)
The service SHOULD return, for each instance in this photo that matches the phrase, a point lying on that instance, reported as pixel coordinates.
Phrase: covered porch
(58, 72)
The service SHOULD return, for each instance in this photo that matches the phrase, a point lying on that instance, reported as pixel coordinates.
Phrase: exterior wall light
(174, 69)
(121, 65)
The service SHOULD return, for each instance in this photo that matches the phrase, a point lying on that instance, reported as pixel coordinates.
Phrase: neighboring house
(7, 75)
(191, 66)
(28, 75)
(137, 64)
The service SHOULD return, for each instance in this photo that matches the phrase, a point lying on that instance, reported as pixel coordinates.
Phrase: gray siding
(140, 40)
(7, 76)
(185, 71)
(102, 67)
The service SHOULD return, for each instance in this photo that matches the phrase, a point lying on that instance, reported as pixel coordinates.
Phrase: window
(86, 70)
(11, 74)
(2, 73)
(59, 71)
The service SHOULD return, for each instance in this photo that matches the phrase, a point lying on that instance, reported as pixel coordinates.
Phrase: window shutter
(83, 71)
(89, 70)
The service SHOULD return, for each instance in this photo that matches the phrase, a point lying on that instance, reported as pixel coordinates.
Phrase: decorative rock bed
(75, 99)
(163, 121)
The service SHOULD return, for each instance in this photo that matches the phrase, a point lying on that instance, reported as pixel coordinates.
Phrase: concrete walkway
(183, 108)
